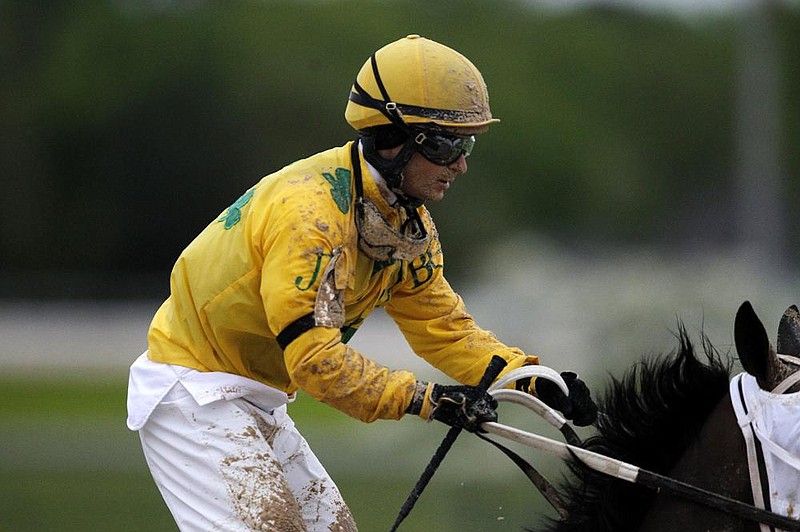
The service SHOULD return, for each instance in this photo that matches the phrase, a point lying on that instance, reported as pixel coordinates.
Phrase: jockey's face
(425, 180)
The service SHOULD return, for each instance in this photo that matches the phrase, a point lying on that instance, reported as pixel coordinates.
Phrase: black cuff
(415, 406)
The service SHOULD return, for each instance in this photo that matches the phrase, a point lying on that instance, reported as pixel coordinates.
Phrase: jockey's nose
(459, 166)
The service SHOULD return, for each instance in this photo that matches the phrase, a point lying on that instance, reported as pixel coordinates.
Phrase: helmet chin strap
(392, 169)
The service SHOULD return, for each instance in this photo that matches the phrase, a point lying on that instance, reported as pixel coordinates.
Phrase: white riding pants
(231, 466)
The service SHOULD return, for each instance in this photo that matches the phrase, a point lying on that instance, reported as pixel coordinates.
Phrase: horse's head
(756, 353)
(674, 416)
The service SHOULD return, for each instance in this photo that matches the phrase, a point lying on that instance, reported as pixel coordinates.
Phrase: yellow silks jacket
(260, 266)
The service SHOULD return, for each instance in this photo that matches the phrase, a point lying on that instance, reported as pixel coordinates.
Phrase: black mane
(651, 416)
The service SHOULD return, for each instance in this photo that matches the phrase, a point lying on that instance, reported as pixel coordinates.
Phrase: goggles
(443, 149)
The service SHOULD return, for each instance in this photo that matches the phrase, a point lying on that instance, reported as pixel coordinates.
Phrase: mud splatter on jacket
(264, 263)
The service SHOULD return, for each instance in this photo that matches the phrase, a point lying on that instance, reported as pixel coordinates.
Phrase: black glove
(458, 406)
(578, 406)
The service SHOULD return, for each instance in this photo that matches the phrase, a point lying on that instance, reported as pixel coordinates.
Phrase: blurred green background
(643, 172)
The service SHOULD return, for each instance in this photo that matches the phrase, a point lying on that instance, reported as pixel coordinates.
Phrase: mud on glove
(458, 406)
(578, 406)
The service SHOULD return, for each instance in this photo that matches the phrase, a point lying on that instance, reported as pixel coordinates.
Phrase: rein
(630, 473)
(496, 365)
(611, 466)
(595, 461)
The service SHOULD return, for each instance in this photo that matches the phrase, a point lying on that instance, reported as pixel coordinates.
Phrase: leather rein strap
(622, 471)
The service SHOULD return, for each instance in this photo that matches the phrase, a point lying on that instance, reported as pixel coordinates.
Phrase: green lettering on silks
(422, 268)
(313, 279)
(379, 265)
(233, 214)
(340, 188)
(350, 329)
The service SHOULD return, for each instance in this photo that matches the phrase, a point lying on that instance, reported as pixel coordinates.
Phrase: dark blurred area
(127, 126)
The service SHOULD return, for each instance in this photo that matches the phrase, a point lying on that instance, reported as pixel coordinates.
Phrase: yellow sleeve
(435, 322)
(338, 375)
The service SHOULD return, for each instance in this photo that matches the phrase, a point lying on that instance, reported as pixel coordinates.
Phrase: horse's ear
(789, 332)
(752, 342)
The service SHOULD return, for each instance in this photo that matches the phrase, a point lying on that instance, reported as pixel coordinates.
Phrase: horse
(674, 416)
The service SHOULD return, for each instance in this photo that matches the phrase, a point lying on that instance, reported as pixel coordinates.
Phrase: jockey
(264, 300)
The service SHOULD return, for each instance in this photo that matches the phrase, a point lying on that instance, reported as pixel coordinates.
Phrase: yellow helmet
(415, 80)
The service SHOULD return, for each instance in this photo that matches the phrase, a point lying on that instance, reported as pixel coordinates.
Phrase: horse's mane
(650, 417)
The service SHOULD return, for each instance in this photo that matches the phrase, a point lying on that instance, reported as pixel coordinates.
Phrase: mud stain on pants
(260, 494)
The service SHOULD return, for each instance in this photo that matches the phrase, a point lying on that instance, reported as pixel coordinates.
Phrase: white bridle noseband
(757, 412)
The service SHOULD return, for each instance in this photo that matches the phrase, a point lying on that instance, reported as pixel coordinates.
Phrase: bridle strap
(787, 383)
(792, 379)
(745, 420)
(757, 442)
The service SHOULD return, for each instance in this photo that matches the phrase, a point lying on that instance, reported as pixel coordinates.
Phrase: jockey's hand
(458, 406)
(578, 406)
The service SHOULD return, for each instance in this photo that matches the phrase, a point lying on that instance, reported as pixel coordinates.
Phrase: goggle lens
(442, 149)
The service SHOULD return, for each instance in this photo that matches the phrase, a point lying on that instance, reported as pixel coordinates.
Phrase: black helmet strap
(390, 169)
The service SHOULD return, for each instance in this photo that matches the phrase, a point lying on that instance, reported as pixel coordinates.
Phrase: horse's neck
(716, 460)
